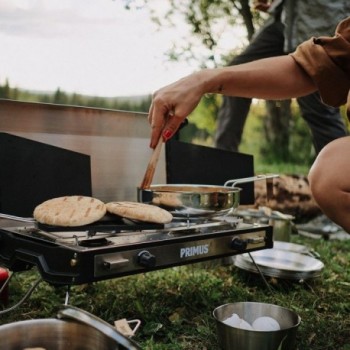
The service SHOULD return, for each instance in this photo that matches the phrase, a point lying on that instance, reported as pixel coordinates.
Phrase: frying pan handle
(233, 183)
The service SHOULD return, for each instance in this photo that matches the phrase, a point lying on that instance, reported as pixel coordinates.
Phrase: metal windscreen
(32, 172)
(193, 164)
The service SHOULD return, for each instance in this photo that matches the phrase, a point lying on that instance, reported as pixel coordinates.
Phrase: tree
(207, 21)
(60, 97)
(5, 90)
(277, 129)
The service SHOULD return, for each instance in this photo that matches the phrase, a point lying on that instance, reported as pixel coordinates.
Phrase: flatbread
(70, 211)
(140, 211)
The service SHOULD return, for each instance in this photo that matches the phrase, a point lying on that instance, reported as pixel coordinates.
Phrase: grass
(286, 168)
(175, 305)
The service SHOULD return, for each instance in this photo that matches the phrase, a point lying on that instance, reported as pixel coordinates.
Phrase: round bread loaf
(70, 211)
(140, 211)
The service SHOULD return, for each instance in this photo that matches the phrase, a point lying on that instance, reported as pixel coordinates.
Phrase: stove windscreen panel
(32, 172)
(193, 164)
(116, 141)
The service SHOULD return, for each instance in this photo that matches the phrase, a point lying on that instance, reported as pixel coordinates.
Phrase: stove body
(111, 251)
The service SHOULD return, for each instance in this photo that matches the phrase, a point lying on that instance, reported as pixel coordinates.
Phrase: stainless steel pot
(230, 337)
(184, 200)
(74, 329)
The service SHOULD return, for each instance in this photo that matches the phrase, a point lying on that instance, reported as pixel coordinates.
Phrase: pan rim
(193, 189)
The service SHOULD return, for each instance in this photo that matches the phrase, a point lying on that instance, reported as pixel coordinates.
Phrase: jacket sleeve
(327, 61)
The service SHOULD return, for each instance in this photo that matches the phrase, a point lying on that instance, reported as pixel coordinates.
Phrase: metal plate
(281, 263)
(291, 247)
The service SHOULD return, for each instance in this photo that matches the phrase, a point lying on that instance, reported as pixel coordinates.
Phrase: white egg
(266, 323)
(233, 321)
(237, 322)
(245, 325)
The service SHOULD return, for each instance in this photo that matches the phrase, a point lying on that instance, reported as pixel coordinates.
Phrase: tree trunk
(277, 128)
(246, 13)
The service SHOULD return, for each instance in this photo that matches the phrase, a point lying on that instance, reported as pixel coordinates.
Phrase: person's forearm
(273, 78)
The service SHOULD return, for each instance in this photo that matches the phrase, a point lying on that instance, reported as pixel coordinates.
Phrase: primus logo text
(196, 250)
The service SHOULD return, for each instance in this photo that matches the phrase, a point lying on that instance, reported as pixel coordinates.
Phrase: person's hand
(171, 105)
(262, 5)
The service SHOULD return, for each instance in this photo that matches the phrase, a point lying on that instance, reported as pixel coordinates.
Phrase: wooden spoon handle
(147, 179)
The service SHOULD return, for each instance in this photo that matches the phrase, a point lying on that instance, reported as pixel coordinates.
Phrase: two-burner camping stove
(112, 249)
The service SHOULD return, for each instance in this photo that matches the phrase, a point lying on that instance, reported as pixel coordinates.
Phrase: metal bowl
(232, 338)
(74, 330)
(53, 334)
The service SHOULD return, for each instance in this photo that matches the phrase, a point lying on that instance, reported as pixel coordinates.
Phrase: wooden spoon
(147, 179)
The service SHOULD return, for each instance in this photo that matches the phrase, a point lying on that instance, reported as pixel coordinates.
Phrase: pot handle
(76, 314)
(233, 183)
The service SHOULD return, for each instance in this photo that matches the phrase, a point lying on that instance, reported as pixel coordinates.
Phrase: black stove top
(113, 249)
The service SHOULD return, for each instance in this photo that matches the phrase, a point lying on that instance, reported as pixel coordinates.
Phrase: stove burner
(107, 223)
(233, 221)
(94, 242)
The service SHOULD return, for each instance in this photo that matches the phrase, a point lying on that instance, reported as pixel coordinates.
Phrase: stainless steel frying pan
(184, 200)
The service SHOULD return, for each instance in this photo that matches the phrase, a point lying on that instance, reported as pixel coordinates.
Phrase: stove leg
(26, 296)
(260, 273)
(66, 302)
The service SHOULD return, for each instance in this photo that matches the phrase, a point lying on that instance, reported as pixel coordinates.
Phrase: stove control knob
(146, 259)
(238, 244)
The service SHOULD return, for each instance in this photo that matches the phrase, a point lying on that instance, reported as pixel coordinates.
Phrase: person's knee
(318, 186)
(328, 177)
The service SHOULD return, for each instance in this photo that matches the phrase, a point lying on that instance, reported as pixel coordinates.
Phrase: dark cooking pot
(184, 200)
(74, 329)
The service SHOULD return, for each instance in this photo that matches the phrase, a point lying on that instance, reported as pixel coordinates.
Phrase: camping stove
(114, 249)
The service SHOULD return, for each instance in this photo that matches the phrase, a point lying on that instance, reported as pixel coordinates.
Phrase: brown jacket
(327, 61)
